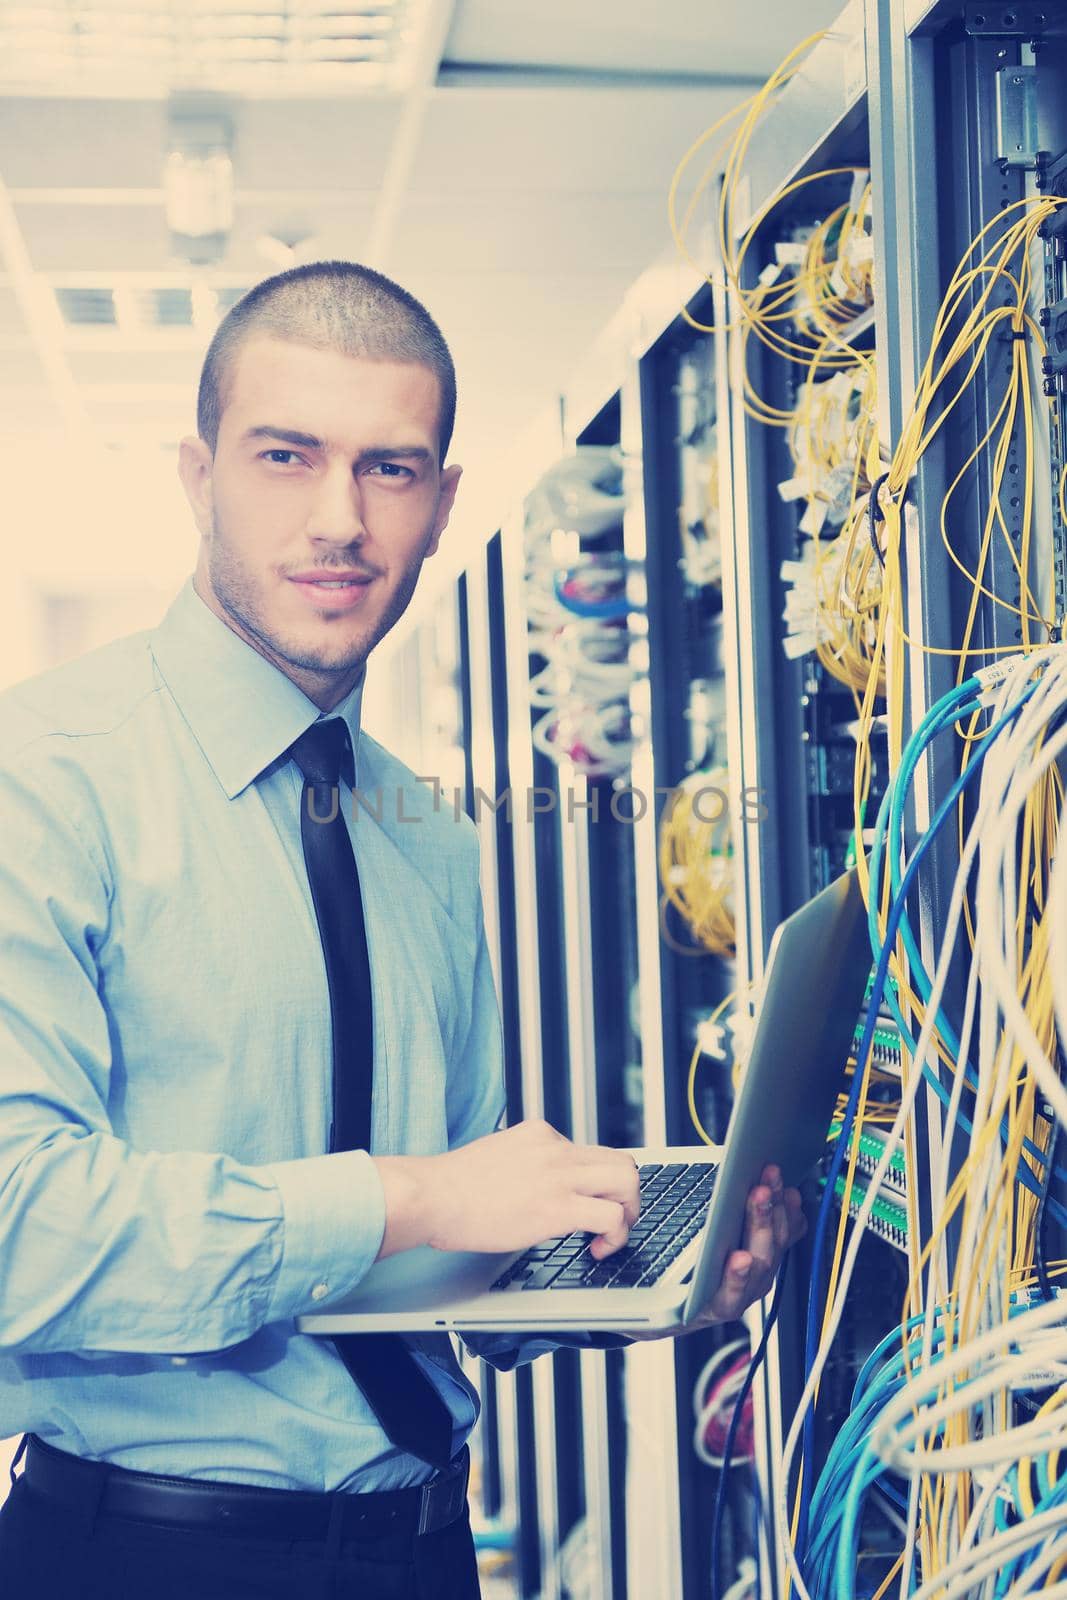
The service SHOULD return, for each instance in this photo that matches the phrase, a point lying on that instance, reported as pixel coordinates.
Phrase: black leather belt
(247, 1510)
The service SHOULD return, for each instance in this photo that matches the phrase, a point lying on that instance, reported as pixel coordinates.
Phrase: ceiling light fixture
(198, 179)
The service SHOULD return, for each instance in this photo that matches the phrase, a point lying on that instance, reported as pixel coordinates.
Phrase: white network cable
(584, 688)
(1011, 769)
(1007, 779)
(705, 1410)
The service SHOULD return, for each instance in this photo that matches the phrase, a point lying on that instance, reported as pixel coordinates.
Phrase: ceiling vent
(140, 309)
(253, 47)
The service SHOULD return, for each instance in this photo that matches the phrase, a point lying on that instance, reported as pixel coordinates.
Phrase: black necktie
(397, 1390)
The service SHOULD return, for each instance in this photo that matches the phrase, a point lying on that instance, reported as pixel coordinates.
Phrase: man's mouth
(335, 592)
(332, 583)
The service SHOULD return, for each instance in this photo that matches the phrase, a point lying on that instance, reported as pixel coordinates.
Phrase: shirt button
(320, 1291)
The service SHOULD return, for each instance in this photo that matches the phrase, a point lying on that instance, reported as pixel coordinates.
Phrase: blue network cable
(735, 1423)
(867, 1468)
(890, 820)
(947, 711)
(958, 703)
(866, 1473)
(611, 606)
(879, 1379)
(896, 912)
(1015, 1566)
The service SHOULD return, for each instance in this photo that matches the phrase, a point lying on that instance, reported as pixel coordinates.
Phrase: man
(179, 1177)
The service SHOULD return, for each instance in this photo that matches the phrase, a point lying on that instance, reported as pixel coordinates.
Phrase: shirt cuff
(333, 1210)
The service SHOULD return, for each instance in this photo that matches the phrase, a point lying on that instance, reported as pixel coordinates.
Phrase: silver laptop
(692, 1199)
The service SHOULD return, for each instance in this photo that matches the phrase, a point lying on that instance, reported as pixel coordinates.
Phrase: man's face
(325, 467)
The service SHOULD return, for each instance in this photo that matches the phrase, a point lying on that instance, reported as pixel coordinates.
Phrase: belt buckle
(443, 1500)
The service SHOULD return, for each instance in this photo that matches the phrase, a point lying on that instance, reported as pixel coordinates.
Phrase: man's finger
(782, 1228)
(603, 1217)
(759, 1239)
(733, 1294)
(798, 1222)
(612, 1181)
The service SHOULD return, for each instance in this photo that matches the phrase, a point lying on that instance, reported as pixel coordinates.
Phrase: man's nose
(337, 512)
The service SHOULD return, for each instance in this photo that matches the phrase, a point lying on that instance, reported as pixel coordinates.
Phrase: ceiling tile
(532, 141)
(94, 238)
(553, 233)
(317, 144)
(283, 144)
(73, 143)
(140, 369)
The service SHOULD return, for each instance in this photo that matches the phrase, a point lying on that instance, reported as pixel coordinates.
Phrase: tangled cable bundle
(700, 519)
(946, 1414)
(696, 862)
(835, 582)
(580, 497)
(804, 307)
(577, 619)
(713, 1405)
(957, 1430)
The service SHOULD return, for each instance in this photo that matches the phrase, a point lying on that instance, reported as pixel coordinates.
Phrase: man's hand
(513, 1189)
(508, 1191)
(773, 1222)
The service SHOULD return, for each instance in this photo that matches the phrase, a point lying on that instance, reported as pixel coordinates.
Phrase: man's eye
(391, 469)
(272, 456)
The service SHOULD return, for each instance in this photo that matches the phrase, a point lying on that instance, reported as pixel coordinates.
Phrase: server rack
(668, 1494)
(569, 1465)
(956, 163)
(909, 89)
(679, 411)
(963, 101)
(506, 1425)
(984, 89)
(571, 904)
(567, 893)
(688, 624)
(793, 750)
(618, 1004)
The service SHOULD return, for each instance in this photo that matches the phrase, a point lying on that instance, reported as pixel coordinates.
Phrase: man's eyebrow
(376, 452)
(288, 435)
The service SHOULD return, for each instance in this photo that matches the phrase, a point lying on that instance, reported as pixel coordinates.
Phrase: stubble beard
(239, 595)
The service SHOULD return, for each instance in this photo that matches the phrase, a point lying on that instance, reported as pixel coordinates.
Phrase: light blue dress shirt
(166, 1205)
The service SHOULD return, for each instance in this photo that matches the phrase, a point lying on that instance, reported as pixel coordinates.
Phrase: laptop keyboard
(674, 1203)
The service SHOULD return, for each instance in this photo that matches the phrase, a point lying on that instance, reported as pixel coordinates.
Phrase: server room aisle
(748, 589)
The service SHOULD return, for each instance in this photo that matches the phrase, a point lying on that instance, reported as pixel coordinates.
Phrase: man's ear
(446, 499)
(195, 464)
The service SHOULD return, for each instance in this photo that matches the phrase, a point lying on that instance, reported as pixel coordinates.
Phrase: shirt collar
(243, 711)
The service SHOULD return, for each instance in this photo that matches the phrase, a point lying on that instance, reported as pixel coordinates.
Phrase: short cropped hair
(329, 305)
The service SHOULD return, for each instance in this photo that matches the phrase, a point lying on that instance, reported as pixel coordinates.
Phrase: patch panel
(871, 1150)
(1053, 318)
(891, 985)
(885, 1046)
(888, 1218)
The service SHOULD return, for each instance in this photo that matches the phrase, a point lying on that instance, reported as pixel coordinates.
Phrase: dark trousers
(48, 1552)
